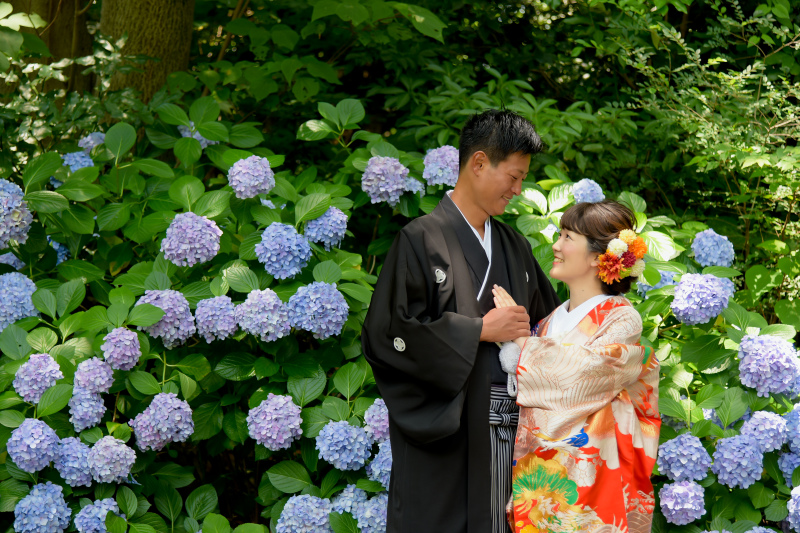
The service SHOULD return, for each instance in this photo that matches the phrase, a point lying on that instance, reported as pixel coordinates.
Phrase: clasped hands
(507, 321)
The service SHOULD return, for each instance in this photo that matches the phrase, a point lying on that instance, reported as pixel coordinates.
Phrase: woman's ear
(595, 262)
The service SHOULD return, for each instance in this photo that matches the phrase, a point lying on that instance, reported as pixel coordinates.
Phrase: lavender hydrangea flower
(110, 460)
(767, 364)
(283, 251)
(191, 131)
(793, 428)
(264, 315)
(167, 419)
(191, 239)
(380, 469)
(12, 260)
(794, 509)
(275, 422)
(267, 203)
(788, 463)
(305, 514)
(216, 318)
(121, 349)
(371, 515)
(699, 298)
(738, 461)
(177, 324)
(768, 429)
(376, 420)
(90, 141)
(251, 177)
(682, 502)
(667, 278)
(759, 529)
(62, 252)
(319, 308)
(86, 409)
(329, 229)
(35, 376)
(16, 302)
(72, 462)
(587, 190)
(77, 160)
(33, 445)
(415, 186)
(43, 510)
(92, 518)
(712, 249)
(384, 179)
(15, 217)
(441, 166)
(683, 458)
(344, 446)
(94, 375)
(347, 501)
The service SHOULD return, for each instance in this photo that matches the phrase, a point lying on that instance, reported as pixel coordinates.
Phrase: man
(431, 333)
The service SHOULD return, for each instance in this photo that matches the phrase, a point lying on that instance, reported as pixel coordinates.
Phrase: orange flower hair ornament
(623, 257)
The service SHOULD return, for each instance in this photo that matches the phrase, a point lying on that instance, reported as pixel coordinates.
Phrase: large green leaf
(120, 138)
(40, 169)
(70, 295)
(311, 207)
(201, 501)
(289, 477)
(144, 383)
(349, 378)
(46, 201)
(304, 390)
(236, 366)
(54, 399)
(186, 191)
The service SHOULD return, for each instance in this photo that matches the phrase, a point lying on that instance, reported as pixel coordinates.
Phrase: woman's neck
(581, 292)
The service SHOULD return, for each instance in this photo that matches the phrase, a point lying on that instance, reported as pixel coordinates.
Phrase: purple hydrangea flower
(344, 446)
(90, 141)
(264, 315)
(371, 514)
(666, 279)
(86, 409)
(699, 298)
(441, 166)
(283, 251)
(167, 419)
(16, 291)
(94, 375)
(121, 349)
(251, 177)
(759, 529)
(768, 429)
(305, 514)
(712, 249)
(43, 510)
(33, 445)
(319, 308)
(191, 239)
(738, 461)
(587, 190)
(110, 460)
(275, 422)
(62, 252)
(191, 131)
(12, 260)
(794, 509)
(376, 420)
(415, 186)
(384, 179)
(683, 458)
(267, 203)
(216, 318)
(793, 428)
(380, 469)
(92, 518)
(788, 463)
(15, 217)
(348, 500)
(177, 324)
(35, 376)
(72, 462)
(767, 364)
(329, 229)
(682, 502)
(77, 160)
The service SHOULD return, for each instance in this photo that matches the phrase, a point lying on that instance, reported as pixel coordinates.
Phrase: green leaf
(289, 477)
(174, 115)
(234, 424)
(369, 485)
(247, 249)
(11, 418)
(328, 272)
(186, 191)
(127, 501)
(154, 167)
(145, 315)
(46, 202)
(760, 495)
(250, 528)
(70, 296)
(45, 302)
(215, 523)
(335, 408)
(40, 168)
(315, 130)
(634, 201)
(212, 204)
(14, 343)
(142, 230)
(79, 219)
(144, 383)
(196, 365)
(789, 312)
(188, 386)
(54, 399)
(42, 339)
(213, 131)
(305, 390)
(349, 379)
(204, 109)
(115, 524)
(710, 396)
(311, 207)
(425, 22)
(236, 366)
(207, 421)
(732, 406)
(201, 501)
(350, 111)
(117, 314)
(760, 280)
(245, 136)
(783, 331)
(722, 272)
(776, 511)
(241, 279)
(79, 191)
(660, 245)
(343, 523)
(357, 292)
(169, 502)
(188, 150)
(113, 216)
(120, 138)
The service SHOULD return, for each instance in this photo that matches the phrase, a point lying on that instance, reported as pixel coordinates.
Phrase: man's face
(497, 185)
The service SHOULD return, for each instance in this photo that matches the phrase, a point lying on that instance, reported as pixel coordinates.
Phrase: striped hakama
(503, 417)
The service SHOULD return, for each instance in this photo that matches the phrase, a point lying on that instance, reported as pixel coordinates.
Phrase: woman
(588, 424)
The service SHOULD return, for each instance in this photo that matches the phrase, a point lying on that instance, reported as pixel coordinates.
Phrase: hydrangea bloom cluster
(794, 509)
(682, 502)
(264, 315)
(275, 422)
(86, 409)
(92, 518)
(15, 217)
(347, 501)
(177, 324)
(667, 278)
(121, 349)
(110, 460)
(380, 469)
(251, 177)
(738, 461)
(344, 446)
(77, 160)
(415, 187)
(376, 420)
(191, 131)
(305, 514)
(167, 419)
(12, 260)
(788, 463)
(191, 239)
(62, 252)
(793, 428)
(36, 375)
(371, 514)
(699, 298)
(587, 190)
(767, 364)
(768, 429)
(683, 458)
(72, 462)
(43, 510)
(216, 318)
(384, 179)
(267, 203)
(90, 141)
(319, 308)
(16, 291)
(329, 229)
(441, 166)
(33, 445)
(283, 251)
(759, 529)
(94, 375)
(712, 249)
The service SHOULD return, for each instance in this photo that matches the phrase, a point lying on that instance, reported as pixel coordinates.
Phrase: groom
(430, 337)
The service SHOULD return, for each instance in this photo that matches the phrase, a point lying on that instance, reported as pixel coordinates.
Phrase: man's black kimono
(421, 336)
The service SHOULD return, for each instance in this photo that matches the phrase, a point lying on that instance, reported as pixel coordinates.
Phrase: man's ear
(479, 161)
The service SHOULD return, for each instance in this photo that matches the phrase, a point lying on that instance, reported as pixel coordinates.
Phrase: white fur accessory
(509, 358)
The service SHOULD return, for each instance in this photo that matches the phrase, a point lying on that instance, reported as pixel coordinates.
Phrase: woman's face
(573, 260)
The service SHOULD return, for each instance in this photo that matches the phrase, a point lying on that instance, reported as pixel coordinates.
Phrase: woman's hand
(501, 300)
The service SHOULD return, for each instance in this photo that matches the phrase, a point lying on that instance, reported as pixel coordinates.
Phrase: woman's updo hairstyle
(600, 222)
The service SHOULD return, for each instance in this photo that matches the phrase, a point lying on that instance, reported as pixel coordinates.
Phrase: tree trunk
(160, 29)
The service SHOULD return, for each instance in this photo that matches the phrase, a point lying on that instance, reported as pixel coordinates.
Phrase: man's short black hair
(498, 134)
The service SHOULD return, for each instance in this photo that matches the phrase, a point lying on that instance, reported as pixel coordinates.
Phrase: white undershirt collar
(564, 321)
(486, 241)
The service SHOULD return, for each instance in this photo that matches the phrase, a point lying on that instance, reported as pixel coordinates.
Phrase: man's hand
(506, 324)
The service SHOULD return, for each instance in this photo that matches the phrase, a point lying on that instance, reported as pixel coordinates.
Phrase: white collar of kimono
(564, 321)
(486, 241)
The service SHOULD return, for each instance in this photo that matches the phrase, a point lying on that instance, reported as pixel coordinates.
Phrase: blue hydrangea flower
(794, 509)
(384, 179)
(587, 190)
(77, 160)
(283, 251)
(305, 514)
(33, 445)
(683, 458)
(768, 364)
(344, 446)
(264, 315)
(92, 518)
(712, 249)
(72, 462)
(36, 375)
(110, 460)
(738, 461)
(759, 529)
(167, 419)
(94, 375)
(376, 420)
(329, 229)
(121, 349)
(380, 469)
(216, 318)
(788, 463)
(793, 428)
(86, 409)
(667, 278)
(768, 429)
(415, 186)
(441, 166)
(267, 203)
(191, 131)
(177, 324)
(251, 177)
(699, 298)
(275, 422)
(43, 510)
(12, 260)
(16, 291)
(90, 141)
(62, 252)
(191, 239)
(15, 217)
(682, 502)
(347, 501)
(319, 308)
(371, 514)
